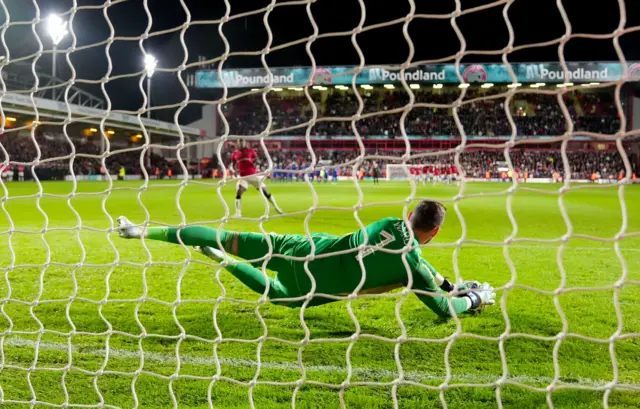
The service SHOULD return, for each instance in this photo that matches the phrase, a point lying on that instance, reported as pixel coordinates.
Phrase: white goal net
(93, 127)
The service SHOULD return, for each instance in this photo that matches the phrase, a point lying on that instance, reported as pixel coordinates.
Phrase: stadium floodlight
(150, 65)
(276, 89)
(342, 87)
(319, 88)
(414, 86)
(514, 85)
(540, 84)
(366, 86)
(566, 84)
(295, 89)
(487, 85)
(465, 85)
(437, 86)
(10, 119)
(255, 89)
(389, 86)
(57, 30)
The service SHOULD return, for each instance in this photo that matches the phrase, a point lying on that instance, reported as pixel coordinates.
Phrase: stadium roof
(19, 103)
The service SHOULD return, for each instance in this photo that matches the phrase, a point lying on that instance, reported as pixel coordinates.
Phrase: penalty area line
(368, 373)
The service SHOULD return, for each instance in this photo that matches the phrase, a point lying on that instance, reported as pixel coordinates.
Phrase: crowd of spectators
(475, 163)
(54, 153)
(544, 163)
(533, 114)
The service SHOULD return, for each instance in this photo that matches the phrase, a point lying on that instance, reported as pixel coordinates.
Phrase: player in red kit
(242, 165)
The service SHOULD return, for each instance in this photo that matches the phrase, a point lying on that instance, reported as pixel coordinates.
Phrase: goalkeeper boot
(126, 229)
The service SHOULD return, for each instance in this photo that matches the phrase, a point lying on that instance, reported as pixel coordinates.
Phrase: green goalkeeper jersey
(382, 263)
(337, 264)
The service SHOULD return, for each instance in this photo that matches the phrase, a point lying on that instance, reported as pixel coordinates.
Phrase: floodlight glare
(56, 28)
(150, 64)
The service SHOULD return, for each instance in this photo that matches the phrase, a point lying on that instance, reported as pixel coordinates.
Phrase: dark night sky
(533, 21)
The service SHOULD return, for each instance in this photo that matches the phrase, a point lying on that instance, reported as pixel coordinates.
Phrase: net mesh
(12, 337)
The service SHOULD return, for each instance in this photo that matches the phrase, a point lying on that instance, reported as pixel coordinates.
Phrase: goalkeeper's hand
(480, 295)
(468, 285)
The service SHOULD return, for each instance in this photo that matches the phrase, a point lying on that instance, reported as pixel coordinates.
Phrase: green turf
(97, 287)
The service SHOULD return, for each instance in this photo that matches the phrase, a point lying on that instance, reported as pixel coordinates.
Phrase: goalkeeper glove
(480, 295)
(468, 285)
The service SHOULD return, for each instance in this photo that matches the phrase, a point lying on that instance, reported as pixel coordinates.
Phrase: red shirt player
(20, 173)
(7, 172)
(242, 159)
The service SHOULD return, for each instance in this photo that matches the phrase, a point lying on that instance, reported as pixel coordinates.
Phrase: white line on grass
(527, 247)
(367, 373)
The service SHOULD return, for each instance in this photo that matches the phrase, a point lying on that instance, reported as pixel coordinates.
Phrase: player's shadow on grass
(336, 325)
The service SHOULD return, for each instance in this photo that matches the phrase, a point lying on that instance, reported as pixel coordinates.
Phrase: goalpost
(77, 343)
(419, 172)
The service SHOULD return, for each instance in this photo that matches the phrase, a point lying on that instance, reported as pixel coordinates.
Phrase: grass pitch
(90, 319)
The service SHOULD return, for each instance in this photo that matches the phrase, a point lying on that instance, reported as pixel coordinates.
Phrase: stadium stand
(535, 116)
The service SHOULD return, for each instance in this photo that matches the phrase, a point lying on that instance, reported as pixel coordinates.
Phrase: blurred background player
(436, 174)
(242, 165)
(334, 178)
(429, 171)
(422, 174)
(293, 168)
(376, 173)
(7, 173)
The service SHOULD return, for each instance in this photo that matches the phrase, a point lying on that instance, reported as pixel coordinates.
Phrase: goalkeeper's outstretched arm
(471, 297)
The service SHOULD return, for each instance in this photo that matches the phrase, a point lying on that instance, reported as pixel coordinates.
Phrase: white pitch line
(530, 247)
(367, 373)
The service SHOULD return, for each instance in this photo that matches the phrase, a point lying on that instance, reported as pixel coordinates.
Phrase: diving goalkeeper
(334, 274)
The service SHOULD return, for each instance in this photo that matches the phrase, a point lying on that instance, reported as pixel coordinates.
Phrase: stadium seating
(535, 115)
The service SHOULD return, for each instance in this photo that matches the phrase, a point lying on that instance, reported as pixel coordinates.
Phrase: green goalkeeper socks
(204, 236)
(158, 233)
(192, 236)
(254, 279)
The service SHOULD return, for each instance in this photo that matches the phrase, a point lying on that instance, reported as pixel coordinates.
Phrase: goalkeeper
(334, 274)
